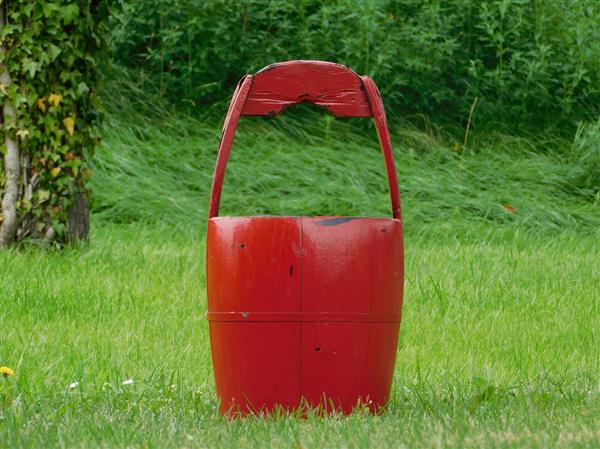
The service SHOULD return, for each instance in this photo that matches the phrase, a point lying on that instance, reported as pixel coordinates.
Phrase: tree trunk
(9, 221)
(78, 219)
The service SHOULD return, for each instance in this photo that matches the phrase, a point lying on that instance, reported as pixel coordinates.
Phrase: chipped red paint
(331, 86)
(304, 310)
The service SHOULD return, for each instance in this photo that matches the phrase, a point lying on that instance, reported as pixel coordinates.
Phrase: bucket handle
(235, 110)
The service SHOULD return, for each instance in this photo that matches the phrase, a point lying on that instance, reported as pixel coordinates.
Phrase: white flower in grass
(128, 382)
(73, 385)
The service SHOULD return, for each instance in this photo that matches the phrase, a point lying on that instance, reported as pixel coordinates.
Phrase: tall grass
(156, 165)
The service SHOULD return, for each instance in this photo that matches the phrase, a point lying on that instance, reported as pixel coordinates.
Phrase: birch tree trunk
(9, 221)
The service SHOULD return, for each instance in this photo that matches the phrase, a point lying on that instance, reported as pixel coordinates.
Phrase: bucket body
(303, 310)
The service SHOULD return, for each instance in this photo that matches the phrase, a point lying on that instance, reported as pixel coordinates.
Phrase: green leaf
(30, 66)
(20, 99)
(49, 8)
(53, 51)
(7, 30)
(43, 196)
(82, 89)
(69, 13)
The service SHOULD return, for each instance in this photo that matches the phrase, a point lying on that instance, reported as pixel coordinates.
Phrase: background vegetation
(532, 61)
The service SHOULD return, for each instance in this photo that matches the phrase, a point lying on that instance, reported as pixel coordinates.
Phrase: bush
(526, 61)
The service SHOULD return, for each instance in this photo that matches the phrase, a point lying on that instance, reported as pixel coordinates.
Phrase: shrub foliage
(51, 54)
(528, 61)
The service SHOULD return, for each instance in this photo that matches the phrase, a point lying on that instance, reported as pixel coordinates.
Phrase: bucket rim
(345, 218)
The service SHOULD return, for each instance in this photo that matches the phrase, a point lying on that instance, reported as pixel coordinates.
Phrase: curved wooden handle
(334, 87)
(384, 142)
(229, 126)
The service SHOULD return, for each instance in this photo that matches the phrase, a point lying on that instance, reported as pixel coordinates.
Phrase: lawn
(499, 340)
(498, 347)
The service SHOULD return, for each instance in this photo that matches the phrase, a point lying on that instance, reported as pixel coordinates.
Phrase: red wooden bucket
(304, 310)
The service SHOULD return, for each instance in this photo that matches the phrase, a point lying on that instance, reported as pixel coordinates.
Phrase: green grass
(499, 343)
(499, 347)
(158, 167)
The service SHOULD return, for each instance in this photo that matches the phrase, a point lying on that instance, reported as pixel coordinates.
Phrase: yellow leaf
(54, 99)
(55, 171)
(69, 123)
(41, 104)
(22, 134)
(3, 88)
